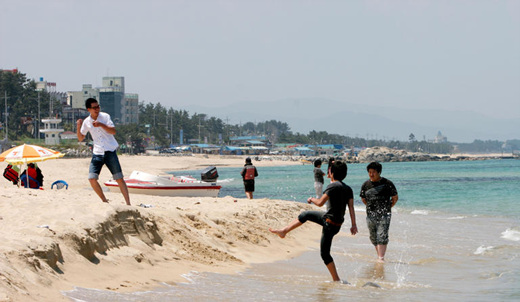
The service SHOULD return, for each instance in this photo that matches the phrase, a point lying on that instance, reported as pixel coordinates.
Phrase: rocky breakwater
(384, 154)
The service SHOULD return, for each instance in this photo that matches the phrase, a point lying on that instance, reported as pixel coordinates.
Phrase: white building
(76, 99)
(440, 138)
(114, 83)
(51, 130)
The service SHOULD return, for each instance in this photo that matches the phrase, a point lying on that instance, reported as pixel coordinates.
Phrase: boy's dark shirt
(378, 196)
(339, 195)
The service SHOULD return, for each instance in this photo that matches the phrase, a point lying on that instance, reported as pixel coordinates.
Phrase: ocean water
(455, 235)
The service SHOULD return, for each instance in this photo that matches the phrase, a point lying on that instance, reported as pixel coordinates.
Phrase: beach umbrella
(26, 154)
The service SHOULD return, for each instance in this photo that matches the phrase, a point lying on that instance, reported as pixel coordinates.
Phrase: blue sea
(454, 236)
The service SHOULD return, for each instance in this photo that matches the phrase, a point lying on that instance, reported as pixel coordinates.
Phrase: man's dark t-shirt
(339, 195)
(378, 196)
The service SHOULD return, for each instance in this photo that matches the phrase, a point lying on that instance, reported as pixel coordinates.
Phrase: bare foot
(280, 233)
(381, 260)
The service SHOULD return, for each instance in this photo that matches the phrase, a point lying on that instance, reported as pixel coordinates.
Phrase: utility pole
(199, 129)
(227, 128)
(171, 128)
(6, 124)
(38, 115)
(50, 105)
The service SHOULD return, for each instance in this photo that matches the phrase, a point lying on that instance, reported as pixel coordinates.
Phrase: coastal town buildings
(123, 107)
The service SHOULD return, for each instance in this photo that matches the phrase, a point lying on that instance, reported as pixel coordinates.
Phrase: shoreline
(54, 240)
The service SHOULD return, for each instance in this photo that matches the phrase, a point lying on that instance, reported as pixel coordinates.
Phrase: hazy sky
(461, 55)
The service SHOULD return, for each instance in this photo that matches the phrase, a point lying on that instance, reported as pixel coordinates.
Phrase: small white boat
(149, 184)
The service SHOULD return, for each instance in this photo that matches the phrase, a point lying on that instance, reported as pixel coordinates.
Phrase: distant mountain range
(373, 122)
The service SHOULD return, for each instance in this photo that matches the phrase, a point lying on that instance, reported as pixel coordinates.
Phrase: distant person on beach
(249, 173)
(102, 130)
(340, 196)
(318, 178)
(379, 195)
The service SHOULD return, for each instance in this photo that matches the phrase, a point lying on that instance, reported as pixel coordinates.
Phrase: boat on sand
(185, 186)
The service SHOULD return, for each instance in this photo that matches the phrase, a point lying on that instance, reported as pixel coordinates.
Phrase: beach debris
(45, 226)
(372, 284)
(146, 205)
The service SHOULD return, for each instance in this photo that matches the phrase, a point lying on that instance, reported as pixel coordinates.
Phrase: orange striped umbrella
(25, 154)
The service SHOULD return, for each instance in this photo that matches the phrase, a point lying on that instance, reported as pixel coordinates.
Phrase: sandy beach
(54, 240)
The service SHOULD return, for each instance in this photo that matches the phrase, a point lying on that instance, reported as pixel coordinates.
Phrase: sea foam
(511, 234)
(483, 249)
(420, 212)
(226, 180)
(456, 217)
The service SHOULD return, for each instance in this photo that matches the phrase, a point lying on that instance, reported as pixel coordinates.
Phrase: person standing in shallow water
(318, 178)
(102, 130)
(379, 195)
(249, 173)
(340, 196)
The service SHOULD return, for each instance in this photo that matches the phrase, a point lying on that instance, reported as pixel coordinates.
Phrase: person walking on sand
(102, 130)
(379, 195)
(340, 196)
(249, 173)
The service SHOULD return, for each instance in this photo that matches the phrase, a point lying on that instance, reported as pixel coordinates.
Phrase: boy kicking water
(339, 196)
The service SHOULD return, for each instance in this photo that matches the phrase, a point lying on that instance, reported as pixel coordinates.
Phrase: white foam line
(483, 249)
(420, 212)
(511, 234)
(456, 217)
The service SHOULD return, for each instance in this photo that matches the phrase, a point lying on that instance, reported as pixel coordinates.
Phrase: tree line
(160, 127)
(21, 105)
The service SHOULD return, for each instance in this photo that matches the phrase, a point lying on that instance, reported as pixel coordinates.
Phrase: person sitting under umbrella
(35, 173)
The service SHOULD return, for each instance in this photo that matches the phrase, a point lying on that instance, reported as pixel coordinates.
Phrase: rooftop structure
(51, 130)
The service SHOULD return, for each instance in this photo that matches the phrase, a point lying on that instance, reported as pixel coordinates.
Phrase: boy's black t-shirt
(339, 194)
(378, 197)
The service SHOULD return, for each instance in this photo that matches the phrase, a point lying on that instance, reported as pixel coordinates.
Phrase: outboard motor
(209, 174)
